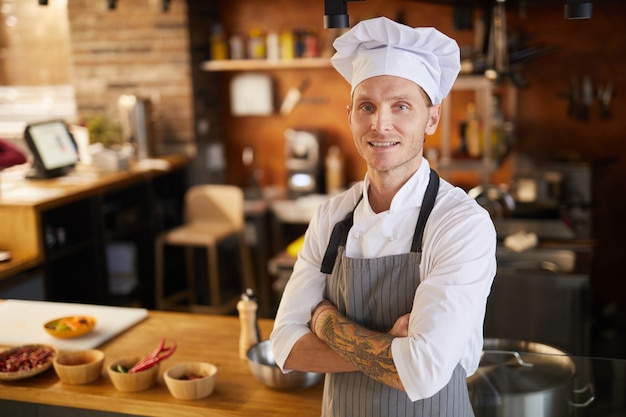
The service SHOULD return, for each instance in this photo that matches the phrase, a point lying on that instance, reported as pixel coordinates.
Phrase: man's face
(389, 117)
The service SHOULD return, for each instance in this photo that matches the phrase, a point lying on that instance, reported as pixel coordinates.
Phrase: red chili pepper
(161, 353)
(156, 352)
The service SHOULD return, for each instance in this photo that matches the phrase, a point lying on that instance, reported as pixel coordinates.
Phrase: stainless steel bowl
(263, 366)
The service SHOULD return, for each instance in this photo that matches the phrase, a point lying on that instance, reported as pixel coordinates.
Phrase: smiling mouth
(382, 144)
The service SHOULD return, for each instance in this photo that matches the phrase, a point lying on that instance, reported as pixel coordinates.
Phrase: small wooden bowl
(135, 381)
(191, 380)
(79, 367)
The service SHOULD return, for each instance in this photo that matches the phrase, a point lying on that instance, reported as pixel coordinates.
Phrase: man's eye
(402, 107)
(367, 107)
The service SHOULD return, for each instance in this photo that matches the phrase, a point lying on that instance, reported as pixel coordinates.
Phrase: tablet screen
(54, 144)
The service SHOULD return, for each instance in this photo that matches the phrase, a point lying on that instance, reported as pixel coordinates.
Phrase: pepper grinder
(249, 332)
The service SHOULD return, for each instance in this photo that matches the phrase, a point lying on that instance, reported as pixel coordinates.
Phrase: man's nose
(381, 120)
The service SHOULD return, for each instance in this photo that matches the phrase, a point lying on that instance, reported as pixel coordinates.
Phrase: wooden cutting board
(21, 322)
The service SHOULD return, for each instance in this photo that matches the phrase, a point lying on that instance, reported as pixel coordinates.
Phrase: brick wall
(34, 41)
(135, 49)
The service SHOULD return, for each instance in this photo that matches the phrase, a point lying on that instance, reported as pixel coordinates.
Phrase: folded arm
(311, 354)
(365, 350)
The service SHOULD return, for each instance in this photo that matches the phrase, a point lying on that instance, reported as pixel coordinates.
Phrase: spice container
(219, 47)
(249, 332)
(311, 44)
(256, 44)
(273, 46)
(237, 47)
(287, 45)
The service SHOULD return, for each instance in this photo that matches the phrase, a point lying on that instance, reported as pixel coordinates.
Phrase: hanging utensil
(574, 98)
(587, 98)
(293, 97)
(605, 96)
(500, 38)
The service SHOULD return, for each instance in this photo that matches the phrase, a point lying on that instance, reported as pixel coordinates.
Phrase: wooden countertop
(82, 182)
(21, 201)
(199, 337)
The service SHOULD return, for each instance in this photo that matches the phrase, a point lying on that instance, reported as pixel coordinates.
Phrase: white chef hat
(381, 46)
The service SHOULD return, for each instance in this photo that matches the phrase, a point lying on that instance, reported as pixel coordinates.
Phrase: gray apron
(375, 293)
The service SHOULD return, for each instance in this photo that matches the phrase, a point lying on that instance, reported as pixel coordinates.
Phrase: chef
(388, 293)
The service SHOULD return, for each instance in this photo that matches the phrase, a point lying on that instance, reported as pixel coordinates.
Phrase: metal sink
(536, 260)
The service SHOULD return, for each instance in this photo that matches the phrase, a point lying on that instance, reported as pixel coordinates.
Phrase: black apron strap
(338, 237)
(427, 206)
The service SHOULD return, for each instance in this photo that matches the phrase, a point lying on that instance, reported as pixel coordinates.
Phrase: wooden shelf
(265, 64)
(477, 165)
(483, 97)
(472, 82)
(481, 85)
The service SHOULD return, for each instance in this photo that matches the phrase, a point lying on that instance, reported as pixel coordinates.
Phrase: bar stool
(213, 213)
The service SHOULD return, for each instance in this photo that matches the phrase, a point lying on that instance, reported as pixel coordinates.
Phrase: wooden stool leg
(214, 276)
(191, 276)
(159, 260)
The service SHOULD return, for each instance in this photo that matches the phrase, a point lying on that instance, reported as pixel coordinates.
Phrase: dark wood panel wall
(593, 47)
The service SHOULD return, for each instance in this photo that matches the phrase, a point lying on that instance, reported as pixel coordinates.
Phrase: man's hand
(401, 326)
(319, 309)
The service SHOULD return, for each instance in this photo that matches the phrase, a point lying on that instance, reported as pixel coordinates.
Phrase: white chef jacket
(457, 269)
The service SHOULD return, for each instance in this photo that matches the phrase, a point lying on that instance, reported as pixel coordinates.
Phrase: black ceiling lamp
(336, 14)
(43, 2)
(111, 4)
(578, 9)
(165, 5)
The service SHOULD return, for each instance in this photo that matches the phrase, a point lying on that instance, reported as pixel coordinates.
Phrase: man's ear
(434, 115)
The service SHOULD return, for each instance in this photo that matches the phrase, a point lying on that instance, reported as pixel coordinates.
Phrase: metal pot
(525, 379)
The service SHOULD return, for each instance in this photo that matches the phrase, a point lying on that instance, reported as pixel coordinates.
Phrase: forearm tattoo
(369, 351)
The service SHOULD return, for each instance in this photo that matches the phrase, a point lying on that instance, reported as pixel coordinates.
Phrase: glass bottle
(472, 132)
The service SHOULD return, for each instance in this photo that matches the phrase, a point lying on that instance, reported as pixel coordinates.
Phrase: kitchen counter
(214, 339)
(207, 338)
(22, 200)
(68, 227)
